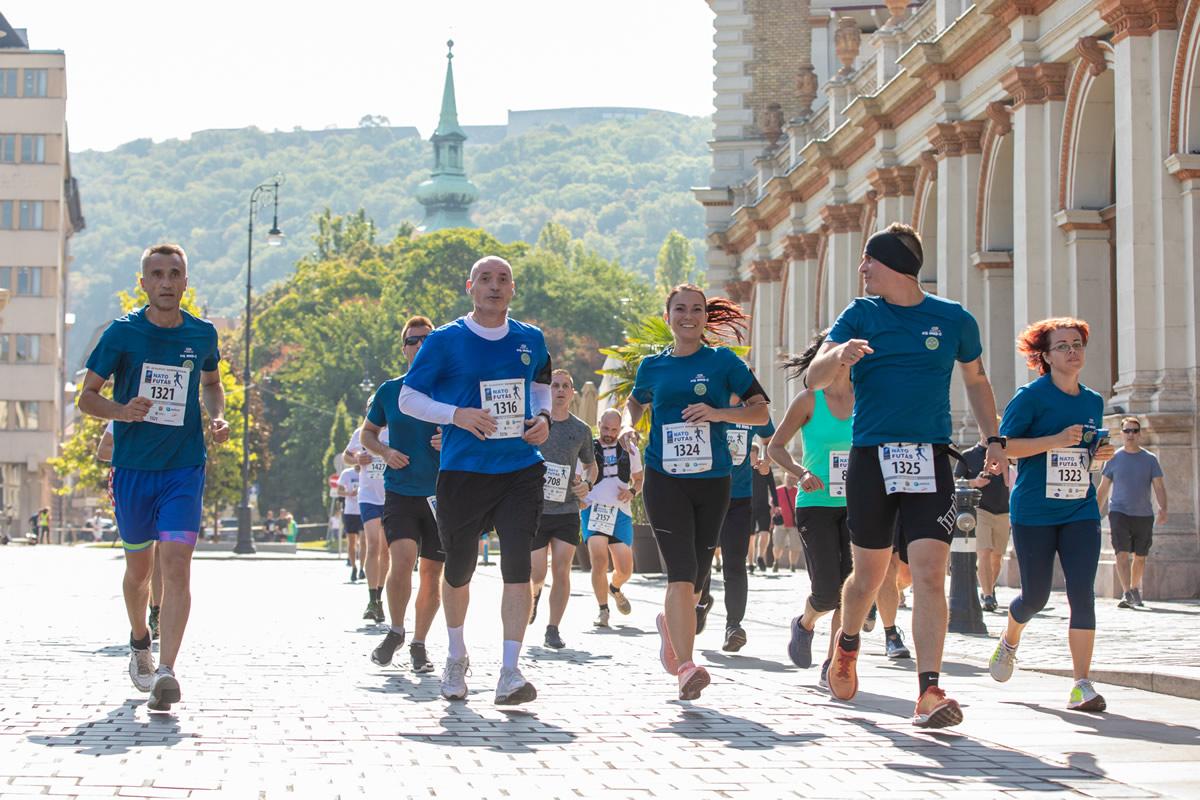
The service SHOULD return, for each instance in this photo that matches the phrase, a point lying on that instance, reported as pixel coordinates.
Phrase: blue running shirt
(902, 390)
(669, 385)
(457, 367)
(743, 473)
(165, 365)
(1040, 408)
(410, 436)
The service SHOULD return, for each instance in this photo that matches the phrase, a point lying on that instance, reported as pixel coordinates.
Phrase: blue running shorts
(622, 531)
(158, 505)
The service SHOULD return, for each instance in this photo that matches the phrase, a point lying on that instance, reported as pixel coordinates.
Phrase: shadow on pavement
(1115, 726)
(619, 630)
(566, 654)
(418, 688)
(878, 702)
(737, 733)
(118, 732)
(728, 661)
(518, 732)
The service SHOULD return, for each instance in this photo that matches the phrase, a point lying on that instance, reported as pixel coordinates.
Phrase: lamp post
(245, 540)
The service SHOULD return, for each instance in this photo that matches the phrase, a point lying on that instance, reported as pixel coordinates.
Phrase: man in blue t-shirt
(159, 357)
(485, 379)
(900, 345)
(409, 453)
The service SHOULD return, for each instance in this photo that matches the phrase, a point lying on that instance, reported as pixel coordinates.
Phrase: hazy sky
(164, 68)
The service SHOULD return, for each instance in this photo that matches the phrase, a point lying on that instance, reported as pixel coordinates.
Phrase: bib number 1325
(907, 468)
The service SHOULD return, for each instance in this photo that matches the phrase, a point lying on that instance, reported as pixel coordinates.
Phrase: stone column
(894, 187)
(1088, 260)
(802, 289)
(766, 275)
(843, 255)
(995, 322)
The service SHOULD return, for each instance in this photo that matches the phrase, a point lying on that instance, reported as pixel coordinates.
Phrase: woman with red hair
(1051, 429)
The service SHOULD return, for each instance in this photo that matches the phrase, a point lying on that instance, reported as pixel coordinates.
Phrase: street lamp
(245, 540)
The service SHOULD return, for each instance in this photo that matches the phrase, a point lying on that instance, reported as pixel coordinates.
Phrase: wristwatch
(546, 414)
(1000, 440)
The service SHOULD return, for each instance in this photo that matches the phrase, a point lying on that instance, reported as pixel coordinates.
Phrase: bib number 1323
(907, 468)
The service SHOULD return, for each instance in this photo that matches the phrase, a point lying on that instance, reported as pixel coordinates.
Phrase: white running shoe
(1084, 697)
(454, 678)
(602, 619)
(165, 691)
(622, 601)
(1003, 662)
(513, 689)
(141, 668)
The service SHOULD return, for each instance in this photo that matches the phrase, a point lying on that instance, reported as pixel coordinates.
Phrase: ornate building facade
(1048, 151)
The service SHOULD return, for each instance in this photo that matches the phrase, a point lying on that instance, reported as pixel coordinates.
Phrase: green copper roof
(448, 194)
(448, 122)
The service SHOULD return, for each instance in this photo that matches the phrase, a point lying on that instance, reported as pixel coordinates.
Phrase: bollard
(966, 616)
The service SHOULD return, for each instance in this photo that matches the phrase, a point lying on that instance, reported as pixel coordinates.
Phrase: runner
(899, 345)
(347, 489)
(1051, 424)
(158, 458)
(608, 518)
(486, 379)
(762, 508)
(570, 440)
(691, 387)
(370, 507)
(786, 537)
(408, 448)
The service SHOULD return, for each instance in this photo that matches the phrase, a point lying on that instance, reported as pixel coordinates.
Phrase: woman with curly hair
(1051, 426)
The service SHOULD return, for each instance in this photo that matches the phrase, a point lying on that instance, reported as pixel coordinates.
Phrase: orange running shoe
(843, 673)
(935, 710)
(666, 651)
(692, 680)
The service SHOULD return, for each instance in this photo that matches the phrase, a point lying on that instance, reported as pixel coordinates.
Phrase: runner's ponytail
(797, 365)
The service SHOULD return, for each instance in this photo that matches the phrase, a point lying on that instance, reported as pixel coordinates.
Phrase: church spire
(448, 122)
(448, 194)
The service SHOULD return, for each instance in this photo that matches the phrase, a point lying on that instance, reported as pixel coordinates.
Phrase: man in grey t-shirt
(1130, 475)
(570, 441)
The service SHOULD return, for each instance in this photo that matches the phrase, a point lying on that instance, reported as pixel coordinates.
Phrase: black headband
(888, 249)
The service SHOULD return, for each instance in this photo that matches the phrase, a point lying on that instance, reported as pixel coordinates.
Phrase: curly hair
(724, 318)
(1034, 341)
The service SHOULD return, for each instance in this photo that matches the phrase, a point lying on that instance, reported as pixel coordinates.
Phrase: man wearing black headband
(900, 345)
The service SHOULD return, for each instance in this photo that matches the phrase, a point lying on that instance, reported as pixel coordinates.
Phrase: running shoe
(869, 622)
(706, 604)
(989, 602)
(533, 612)
(420, 659)
(935, 710)
(353, 574)
(843, 676)
(553, 639)
(895, 646)
(692, 680)
(1126, 600)
(762, 564)
(1084, 697)
(602, 619)
(1003, 661)
(824, 682)
(165, 691)
(800, 647)
(735, 639)
(620, 599)
(666, 651)
(153, 622)
(750, 569)
(382, 656)
(513, 689)
(379, 615)
(454, 678)
(903, 601)
(1137, 598)
(369, 613)
(141, 669)
(776, 567)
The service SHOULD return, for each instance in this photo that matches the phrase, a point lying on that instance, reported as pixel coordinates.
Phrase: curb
(1157, 682)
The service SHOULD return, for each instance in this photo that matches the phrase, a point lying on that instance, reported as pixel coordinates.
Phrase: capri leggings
(826, 539)
(686, 514)
(1078, 547)
(735, 544)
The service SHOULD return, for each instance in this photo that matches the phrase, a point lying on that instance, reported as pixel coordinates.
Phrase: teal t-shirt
(410, 436)
(902, 390)
(1041, 409)
(134, 351)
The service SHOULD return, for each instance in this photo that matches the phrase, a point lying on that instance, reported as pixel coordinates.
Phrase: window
(31, 215)
(26, 414)
(8, 147)
(35, 83)
(29, 281)
(5, 277)
(4, 337)
(8, 83)
(33, 149)
(28, 347)
(6, 215)
(3, 416)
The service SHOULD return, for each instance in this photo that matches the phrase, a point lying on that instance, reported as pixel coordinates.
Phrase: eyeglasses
(1131, 430)
(1063, 347)
(410, 341)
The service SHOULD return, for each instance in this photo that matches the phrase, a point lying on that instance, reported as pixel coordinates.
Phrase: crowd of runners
(477, 436)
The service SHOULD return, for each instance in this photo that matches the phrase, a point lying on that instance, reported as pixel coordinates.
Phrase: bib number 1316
(505, 400)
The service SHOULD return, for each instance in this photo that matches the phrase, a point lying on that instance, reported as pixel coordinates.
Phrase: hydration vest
(623, 467)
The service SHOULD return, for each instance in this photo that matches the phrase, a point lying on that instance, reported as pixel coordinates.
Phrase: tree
(374, 121)
(339, 436)
(676, 262)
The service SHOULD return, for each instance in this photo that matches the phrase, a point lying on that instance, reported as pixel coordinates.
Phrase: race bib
(558, 478)
(1067, 475)
(168, 388)
(432, 500)
(602, 519)
(907, 468)
(375, 468)
(739, 445)
(505, 400)
(687, 448)
(839, 462)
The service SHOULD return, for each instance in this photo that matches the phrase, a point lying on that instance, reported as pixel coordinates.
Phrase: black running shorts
(879, 520)
(564, 527)
(411, 518)
(352, 523)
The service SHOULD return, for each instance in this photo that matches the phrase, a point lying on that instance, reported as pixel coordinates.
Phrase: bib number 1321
(168, 388)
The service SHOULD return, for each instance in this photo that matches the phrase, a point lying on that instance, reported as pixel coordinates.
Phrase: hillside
(618, 186)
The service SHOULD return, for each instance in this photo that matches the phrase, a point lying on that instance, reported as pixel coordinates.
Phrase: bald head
(610, 427)
(489, 263)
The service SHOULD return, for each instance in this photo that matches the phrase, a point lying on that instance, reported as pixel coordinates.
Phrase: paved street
(281, 700)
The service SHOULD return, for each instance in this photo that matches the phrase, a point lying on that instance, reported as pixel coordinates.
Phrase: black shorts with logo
(879, 520)
(564, 527)
(1131, 534)
(407, 517)
(352, 523)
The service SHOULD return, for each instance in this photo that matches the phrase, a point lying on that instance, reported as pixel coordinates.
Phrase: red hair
(1034, 341)
(724, 318)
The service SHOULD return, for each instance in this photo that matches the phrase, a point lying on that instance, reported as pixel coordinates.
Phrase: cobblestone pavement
(281, 700)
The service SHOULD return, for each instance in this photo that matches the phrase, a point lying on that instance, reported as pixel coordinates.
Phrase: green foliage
(676, 263)
(78, 467)
(339, 436)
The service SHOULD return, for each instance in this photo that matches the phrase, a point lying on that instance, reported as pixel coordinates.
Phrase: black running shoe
(989, 602)
(869, 622)
(735, 639)
(369, 611)
(382, 656)
(762, 564)
(706, 604)
(153, 622)
(533, 614)
(420, 660)
(379, 615)
(353, 574)
(553, 639)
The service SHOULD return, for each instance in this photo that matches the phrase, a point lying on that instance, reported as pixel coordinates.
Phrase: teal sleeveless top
(823, 434)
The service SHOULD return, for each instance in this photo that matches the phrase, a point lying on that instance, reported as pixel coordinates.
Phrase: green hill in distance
(619, 186)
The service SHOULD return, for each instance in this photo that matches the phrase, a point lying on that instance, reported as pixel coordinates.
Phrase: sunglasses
(410, 341)
(1131, 430)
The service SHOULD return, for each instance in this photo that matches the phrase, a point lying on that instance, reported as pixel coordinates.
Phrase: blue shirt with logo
(450, 366)
(410, 436)
(902, 390)
(670, 384)
(125, 348)
(743, 474)
(1040, 408)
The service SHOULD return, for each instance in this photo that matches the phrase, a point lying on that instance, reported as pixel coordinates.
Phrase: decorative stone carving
(893, 181)
(807, 85)
(1091, 51)
(847, 41)
(953, 139)
(1036, 84)
(1000, 115)
(1139, 17)
(898, 9)
(842, 217)
(737, 291)
(772, 124)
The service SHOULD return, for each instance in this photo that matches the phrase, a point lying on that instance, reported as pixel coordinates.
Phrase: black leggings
(735, 544)
(686, 514)
(1077, 545)
(826, 539)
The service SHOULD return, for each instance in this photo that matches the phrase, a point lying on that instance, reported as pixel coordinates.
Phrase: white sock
(512, 651)
(458, 648)
(398, 629)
